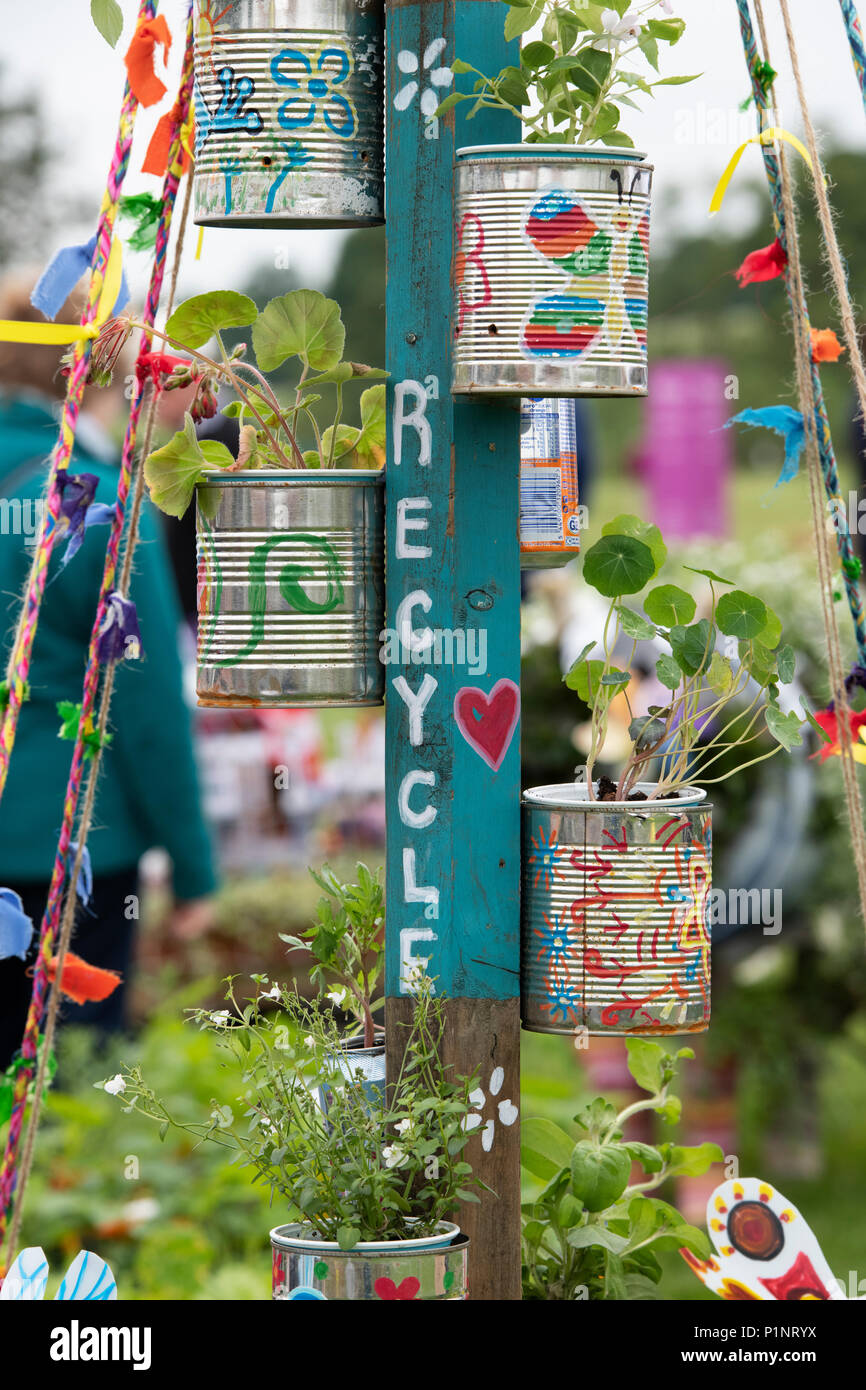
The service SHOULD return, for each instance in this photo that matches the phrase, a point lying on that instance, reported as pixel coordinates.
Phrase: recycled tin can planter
(551, 272)
(291, 594)
(289, 113)
(366, 1065)
(549, 490)
(615, 933)
(423, 1270)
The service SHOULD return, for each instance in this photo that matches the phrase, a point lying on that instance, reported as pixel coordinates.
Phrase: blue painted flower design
(315, 94)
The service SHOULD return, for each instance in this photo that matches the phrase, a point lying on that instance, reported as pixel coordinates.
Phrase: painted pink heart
(487, 722)
(388, 1291)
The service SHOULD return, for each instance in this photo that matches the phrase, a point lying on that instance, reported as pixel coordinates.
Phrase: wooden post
(453, 577)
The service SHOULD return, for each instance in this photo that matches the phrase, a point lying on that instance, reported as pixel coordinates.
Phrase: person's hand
(192, 919)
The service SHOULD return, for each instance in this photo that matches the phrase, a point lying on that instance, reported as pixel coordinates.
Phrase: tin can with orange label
(549, 494)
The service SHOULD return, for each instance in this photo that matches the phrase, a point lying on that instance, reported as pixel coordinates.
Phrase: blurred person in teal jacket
(148, 793)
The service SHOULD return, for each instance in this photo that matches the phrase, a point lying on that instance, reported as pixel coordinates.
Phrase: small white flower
(309, 1041)
(141, 1209)
(393, 1155)
(667, 6)
(275, 992)
(618, 31)
(337, 996)
(219, 1018)
(403, 1126)
(116, 1086)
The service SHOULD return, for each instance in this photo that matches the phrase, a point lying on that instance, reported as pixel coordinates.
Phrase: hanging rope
(829, 469)
(855, 39)
(19, 659)
(816, 474)
(13, 1176)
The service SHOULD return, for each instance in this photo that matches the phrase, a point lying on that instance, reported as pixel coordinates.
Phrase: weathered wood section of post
(453, 585)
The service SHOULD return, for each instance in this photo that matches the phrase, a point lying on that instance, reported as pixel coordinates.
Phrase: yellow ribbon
(61, 334)
(766, 137)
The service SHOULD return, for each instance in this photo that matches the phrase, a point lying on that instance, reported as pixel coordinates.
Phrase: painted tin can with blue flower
(615, 908)
(289, 113)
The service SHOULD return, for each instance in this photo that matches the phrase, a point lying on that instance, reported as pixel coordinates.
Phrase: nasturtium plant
(572, 83)
(591, 1233)
(731, 653)
(302, 326)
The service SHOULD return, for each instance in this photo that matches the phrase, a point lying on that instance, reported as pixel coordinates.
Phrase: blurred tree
(25, 159)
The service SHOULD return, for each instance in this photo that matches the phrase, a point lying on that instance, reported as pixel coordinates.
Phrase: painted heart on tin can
(487, 722)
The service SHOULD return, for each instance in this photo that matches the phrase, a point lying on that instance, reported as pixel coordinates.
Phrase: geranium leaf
(304, 324)
(195, 322)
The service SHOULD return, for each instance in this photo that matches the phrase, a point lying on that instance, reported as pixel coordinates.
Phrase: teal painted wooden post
(453, 600)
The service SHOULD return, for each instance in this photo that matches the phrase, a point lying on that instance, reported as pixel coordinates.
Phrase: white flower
(393, 1155)
(309, 1041)
(275, 992)
(337, 996)
(667, 6)
(116, 1085)
(618, 31)
(219, 1018)
(141, 1209)
(403, 1126)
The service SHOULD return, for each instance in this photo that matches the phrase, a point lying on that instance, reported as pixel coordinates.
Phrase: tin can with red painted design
(615, 934)
(549, 491)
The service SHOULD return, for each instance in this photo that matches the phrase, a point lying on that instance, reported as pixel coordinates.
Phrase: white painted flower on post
(431, 72)
(506, 1112)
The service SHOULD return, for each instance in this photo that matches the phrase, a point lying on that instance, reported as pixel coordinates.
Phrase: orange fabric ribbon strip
(156, 159)
(83, 983)
(139, 59)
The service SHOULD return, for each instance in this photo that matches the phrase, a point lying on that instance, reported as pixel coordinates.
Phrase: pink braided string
(19, 660)
(51, 918)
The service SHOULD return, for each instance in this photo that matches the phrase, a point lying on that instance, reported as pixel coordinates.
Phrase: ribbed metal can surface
(551, 271)
(423, 1270)
(549, 485)
(289, 113)
(615, 934)
(291, 588)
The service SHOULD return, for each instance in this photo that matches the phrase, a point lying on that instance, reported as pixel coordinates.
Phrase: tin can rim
(287, 477)
(572, 796)
(283, 1239)
(539, 153)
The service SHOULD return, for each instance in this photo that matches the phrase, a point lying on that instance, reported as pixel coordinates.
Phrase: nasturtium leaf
(668, 604)
(741, 615)
(108, 18)
(304, 324)
(760, 663)
(785, 664)
(172, 472)
(720, 674)
(708, 574)
(693, 646)
(628, 525)
(669, 671)
(195, 322)
(646, 1061)
(635, 625)
(620, 679)
(590, 646)
(545, 1149)
(599, 1175)
(645, 732)
(786, 729)
(772, 632)
(585, 679)
(618, 564)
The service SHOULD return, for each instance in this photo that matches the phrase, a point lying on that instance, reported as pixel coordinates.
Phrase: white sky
(689, 132)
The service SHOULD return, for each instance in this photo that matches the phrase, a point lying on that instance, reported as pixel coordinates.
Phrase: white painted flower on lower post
(506, 1112)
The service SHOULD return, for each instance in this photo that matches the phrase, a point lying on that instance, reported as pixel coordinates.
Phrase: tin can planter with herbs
(551, 271)
(615, 934)
(369, 1194)
(290, 539)
(289, 113)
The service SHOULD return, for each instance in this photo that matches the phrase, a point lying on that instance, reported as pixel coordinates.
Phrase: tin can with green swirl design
(291, 588)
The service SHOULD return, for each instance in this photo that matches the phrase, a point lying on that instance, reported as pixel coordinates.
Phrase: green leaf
(693, 646)
(720, 674)
(772, 633)
(108, 18)
(677, 81)
(196, 321)
(522, 17)
(822, 733)
(708, 574)
(628, 525)
(172, 472)
(667, 604)
(599, 1175)
(619, 138)
(569, 1212)
(545, 1149)
(635, 625)
(741, 615)
(453, 99)
(585, 678)
(693, 1160)
(348, 1237)
(645, 732)
(618, 678)
(649, 1158)
(596, 1234)
(785, 663)
(668, 30)
(537, 55)
(646, 1061)
(304, 324)
(649, 47)
(370, 445)
(618, 564)
(786, 729)
(668, 672)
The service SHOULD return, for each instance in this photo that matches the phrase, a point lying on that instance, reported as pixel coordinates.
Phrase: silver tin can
(364, 1066)
(289, 113)
(549, 487)
(430, 1268)
(291, 588)
(615, 934)
(551, 271)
